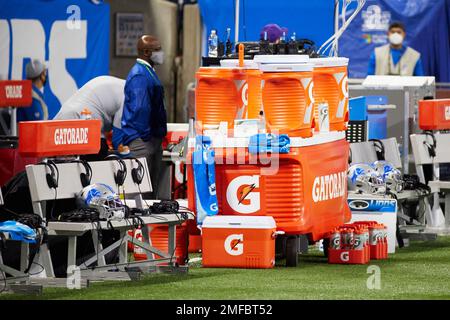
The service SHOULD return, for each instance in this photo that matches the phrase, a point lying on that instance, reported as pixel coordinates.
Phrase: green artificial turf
(421, 271)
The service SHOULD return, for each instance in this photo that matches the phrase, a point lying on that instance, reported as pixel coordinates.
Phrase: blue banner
(427, 25)
(72, 37)
(372, 205)
(308, 19)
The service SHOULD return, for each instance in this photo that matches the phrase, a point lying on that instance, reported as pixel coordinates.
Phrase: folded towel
(266, 142)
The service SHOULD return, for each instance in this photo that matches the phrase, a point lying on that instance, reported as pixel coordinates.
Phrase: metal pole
(13, 124)
(236, 21)
(336, 21)
(406, 132)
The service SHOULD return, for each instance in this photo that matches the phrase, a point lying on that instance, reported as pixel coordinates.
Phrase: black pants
(152, 151)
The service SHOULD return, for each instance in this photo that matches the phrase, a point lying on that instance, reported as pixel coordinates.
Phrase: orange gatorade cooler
(305, 190)
(434, 114)
(331, 86)
(287, 98)
(216, 96)
(195, 243)
(159, 239)
(239, 242)
(247, 80)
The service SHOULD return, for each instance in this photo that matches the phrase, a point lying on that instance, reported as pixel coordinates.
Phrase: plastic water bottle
(213, 42)
(228, 44)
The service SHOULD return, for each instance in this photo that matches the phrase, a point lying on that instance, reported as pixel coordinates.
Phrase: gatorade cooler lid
(282, 59)
(329, 62)
(239, 222)
(282, 67)
(234, 63)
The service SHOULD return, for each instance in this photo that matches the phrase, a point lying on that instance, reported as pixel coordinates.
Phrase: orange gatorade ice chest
(239, 241)
(305, 190)
(434, 114)
(331, 86)
(59, 137)
(287, 98)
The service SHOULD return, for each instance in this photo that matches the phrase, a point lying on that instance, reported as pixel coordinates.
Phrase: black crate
(357, 131)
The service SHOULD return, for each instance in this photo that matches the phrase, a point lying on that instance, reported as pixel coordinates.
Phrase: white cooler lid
(239, 222)
(282, 58)
(234, 63)
(281, 67)
(329, 62)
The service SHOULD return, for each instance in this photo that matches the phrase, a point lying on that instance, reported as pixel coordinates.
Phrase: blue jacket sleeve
(371, 68)
(418, 69)
(31, 113)
(136, 109)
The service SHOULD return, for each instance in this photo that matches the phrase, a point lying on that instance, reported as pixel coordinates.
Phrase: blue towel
(18, 231)
(205, 179)
(266, 142)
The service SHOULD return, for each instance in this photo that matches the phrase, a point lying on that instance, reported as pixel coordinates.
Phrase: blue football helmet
(390, 175)
(362, 178)
(103, 198)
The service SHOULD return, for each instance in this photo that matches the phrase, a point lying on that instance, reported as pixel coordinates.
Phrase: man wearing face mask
(144, 118)
(35, 71)
(395, 58)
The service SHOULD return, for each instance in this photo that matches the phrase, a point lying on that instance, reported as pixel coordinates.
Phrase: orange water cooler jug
(287, 99)
(331, 86)
(247, 80)
(227, 93)
(216, 97)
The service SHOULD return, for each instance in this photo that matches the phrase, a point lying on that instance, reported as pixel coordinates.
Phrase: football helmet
(391, 176)
(362, 178)
(102, 197)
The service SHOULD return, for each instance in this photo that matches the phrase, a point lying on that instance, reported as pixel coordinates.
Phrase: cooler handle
(277, 233)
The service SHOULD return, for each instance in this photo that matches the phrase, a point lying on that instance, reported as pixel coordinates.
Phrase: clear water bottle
(213, 42)
(228, 44)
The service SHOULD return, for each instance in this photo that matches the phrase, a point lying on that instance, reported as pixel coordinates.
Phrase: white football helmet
(391, 176)
(103, 198)
(362, 178)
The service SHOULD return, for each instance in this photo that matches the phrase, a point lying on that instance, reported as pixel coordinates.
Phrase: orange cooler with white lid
(331, 86)
(239, 241)
(287, 98)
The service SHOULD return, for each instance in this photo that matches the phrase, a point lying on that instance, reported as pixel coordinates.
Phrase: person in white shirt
(104, 97)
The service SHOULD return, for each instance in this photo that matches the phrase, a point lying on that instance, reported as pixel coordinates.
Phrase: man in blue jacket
(144, 118)
(35, 71)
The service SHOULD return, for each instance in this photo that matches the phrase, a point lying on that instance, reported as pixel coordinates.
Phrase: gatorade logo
(13, 92)
(244, 94)
(309, 85)
(345, 256)
(344, 86)
(329, 187)
(242, 196)
(68, 136)
(234, 244)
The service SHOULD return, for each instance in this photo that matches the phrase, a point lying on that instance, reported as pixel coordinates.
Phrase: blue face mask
(157, 57)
